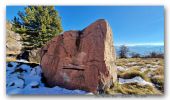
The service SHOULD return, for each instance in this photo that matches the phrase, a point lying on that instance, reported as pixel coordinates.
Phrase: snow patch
(120, 68)
(143, 69)
(132, 63)
(136, 79)
(22, 60)
(23, 79)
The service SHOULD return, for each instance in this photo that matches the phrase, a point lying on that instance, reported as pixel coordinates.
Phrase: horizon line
(140, 44)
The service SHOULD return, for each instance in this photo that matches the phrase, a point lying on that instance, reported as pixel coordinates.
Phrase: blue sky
(131, 25)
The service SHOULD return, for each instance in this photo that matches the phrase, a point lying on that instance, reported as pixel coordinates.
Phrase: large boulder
(81, 59)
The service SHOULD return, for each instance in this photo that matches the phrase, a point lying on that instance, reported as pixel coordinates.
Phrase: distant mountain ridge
(142, 49)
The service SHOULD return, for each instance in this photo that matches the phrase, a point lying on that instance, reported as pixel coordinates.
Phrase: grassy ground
(133, 89)
(149, 69)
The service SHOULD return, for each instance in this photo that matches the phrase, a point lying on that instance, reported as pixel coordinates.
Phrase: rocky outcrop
(14, 48)
(81, 59)
(32, 56)
(13, 44)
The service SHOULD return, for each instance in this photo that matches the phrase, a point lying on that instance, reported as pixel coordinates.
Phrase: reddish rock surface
(81, 59)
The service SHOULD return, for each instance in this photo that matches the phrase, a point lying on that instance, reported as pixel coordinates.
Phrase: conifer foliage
(37, 25)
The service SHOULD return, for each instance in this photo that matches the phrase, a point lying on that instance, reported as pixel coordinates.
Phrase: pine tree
(37, 25)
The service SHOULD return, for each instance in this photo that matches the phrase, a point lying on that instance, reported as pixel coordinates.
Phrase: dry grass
(157, 77)
(134, 89)
(133, 73)
(158, 71)
(159, 82)
(13, 59)
(139, 61)
(133, 68)
(10, 59)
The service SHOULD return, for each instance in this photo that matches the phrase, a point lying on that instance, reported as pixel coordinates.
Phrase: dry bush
(154, 55)
(135, 55)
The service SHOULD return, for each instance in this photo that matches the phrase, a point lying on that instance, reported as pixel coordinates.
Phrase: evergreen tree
(37, 25)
